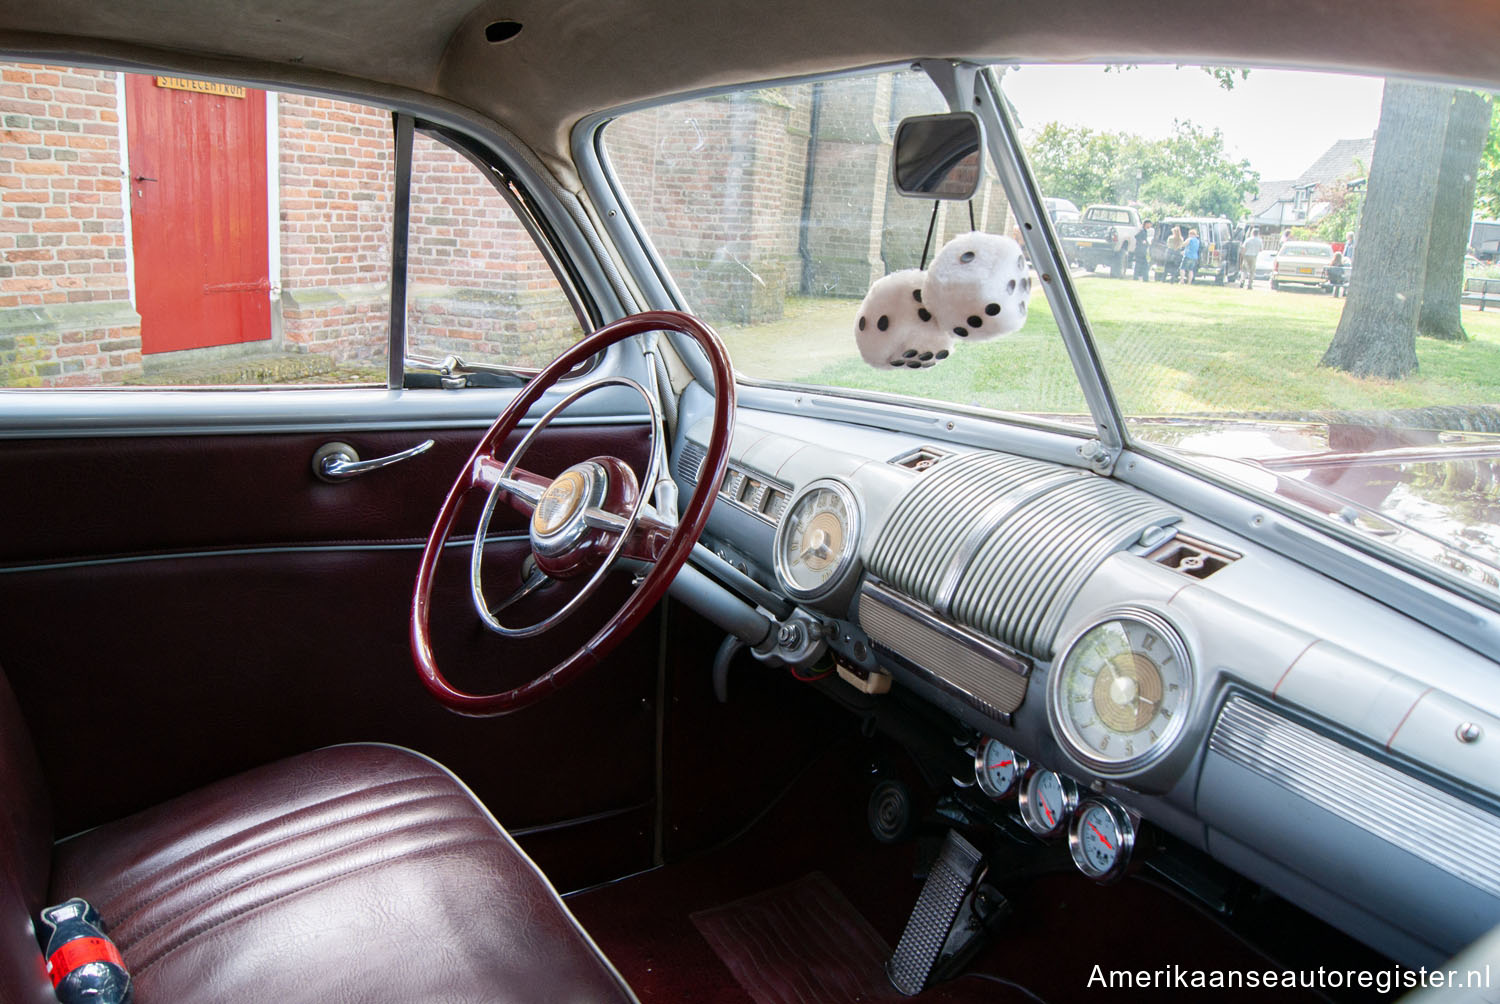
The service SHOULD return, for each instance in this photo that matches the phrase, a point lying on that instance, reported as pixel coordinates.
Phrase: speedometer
(817, 539)
(1119, 695)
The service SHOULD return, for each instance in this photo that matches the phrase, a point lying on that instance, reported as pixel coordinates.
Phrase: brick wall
(479, 288)
(716, 181)
(748, 206)
(65, 314)
(337, 175)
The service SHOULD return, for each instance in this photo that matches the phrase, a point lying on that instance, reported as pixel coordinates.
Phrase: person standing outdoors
(1190, 252)
(1174, 253)
(1143, 251)
(1338, 275)
(1248, 253)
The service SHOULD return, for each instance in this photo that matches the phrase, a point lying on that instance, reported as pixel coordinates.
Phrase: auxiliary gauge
(1100, 839)
(997, 768)
(1046, 800)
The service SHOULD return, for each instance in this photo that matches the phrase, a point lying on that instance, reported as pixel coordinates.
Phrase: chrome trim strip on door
(1426, 822)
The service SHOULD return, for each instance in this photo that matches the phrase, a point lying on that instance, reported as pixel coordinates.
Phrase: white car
(1302, 263)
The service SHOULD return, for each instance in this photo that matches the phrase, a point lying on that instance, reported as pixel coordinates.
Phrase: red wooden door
(198, 213)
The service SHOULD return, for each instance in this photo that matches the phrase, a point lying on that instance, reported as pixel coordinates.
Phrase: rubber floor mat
(801, 943)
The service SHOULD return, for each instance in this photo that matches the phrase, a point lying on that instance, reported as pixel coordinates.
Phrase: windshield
(775, 212)
(1312, 305)
(1286, 275)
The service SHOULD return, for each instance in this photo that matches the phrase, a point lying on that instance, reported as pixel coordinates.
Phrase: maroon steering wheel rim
(669, 559)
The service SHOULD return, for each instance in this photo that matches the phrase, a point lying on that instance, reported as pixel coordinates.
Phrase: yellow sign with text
(201, 86)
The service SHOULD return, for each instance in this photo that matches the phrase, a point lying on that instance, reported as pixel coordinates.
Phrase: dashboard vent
(690, 460)
(1002, 544)
(920, 459)
(1192, 557)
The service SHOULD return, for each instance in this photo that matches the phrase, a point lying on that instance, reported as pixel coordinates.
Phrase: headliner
(574, 58)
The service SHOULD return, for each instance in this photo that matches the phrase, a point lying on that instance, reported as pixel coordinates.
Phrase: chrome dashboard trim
(1424, 821)
(980, 672)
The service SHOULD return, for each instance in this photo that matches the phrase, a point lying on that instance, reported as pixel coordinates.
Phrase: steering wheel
(585, 521)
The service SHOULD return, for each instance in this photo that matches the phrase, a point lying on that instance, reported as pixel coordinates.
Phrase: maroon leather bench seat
(356, 873)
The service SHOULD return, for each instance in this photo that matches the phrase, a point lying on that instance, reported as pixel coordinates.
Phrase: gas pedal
(953, 912)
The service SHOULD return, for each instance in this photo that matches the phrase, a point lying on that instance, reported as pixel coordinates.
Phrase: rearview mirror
(938, 156)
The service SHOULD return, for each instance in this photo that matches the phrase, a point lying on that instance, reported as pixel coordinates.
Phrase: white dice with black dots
(895, 330)
(978, 287)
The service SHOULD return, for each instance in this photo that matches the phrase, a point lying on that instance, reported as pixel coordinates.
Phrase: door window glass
(163, 230)
(167, 231)
(478, 288)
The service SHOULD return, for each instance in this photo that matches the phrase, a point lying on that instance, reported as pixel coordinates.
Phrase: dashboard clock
(1120, 693)
(817, 539)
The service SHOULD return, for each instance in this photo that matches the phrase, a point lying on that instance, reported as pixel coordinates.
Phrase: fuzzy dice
(978, 287)
(895, 329)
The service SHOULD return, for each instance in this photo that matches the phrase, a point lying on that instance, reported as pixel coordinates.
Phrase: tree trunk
(1468, 128)
(1377, 333)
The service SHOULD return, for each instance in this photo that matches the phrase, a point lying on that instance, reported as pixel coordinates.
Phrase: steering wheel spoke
(535, 580)
(649, 539)
(523, 489)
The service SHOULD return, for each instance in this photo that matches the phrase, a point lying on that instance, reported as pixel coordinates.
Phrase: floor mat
(801, 943)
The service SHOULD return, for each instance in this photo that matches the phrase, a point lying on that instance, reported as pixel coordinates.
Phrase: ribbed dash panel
(929, 526)
(1024, 576)
(1002, 544)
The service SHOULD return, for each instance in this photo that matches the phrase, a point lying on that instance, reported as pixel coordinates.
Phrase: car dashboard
(1117, 663)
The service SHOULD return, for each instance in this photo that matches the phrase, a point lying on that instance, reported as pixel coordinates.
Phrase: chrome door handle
(339, 461)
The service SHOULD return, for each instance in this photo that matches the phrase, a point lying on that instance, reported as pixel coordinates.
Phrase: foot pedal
(951, 914)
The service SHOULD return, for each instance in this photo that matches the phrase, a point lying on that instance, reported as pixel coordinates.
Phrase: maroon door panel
(244, 611)
(92, 498)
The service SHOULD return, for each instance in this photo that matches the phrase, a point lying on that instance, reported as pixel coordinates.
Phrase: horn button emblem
(557, 524)
(557, 503)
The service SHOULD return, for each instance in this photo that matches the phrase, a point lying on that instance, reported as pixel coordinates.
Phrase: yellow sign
(201, 86)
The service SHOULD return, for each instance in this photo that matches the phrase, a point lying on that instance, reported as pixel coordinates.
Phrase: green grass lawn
(1168, 349)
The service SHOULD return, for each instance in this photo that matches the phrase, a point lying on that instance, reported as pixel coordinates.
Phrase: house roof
(1265, 208)
(1344, 160)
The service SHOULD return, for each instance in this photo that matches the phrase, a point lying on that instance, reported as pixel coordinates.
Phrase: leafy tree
(1487, 188)
(1452, 215)
(1377, 331)
(1074, 162)
(1344, 204)
(1189, 172)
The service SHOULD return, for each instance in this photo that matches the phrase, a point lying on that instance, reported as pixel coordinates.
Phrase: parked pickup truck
(1104, 235)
